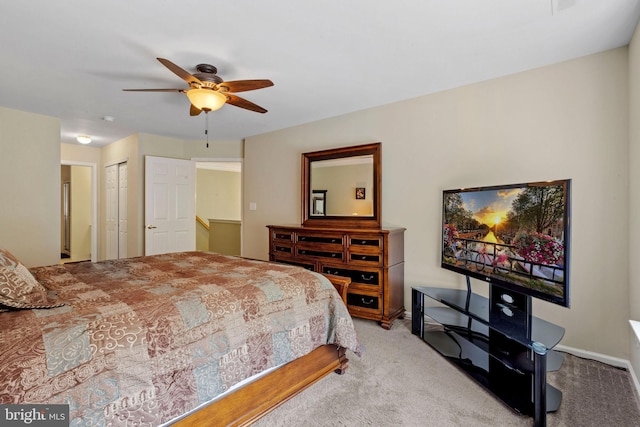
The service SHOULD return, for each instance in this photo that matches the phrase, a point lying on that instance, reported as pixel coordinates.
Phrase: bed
(157, 340)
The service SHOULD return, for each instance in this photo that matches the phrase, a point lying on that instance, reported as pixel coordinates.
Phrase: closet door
(122, 210)
(111, 181)
(116, 211)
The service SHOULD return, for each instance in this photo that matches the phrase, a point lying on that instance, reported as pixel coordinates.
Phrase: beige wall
(30, 191)
(80, 153)
(224, 149)
(563, 121)
(634, 194)
(218, 194)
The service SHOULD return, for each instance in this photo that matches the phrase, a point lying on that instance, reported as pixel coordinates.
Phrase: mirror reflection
(318, 200)
(345, 186)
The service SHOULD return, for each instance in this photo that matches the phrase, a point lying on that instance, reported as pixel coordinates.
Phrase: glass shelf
(496, 341)
(520, 326)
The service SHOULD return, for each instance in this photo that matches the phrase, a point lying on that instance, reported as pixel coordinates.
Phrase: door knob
(151, 227)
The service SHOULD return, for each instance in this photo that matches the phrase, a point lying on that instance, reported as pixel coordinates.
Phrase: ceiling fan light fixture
(83, 139)
(206, 99)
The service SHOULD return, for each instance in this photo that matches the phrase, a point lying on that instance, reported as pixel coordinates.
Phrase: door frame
(94, 203)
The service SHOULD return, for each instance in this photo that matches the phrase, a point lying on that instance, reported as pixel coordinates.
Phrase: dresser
(372, 258)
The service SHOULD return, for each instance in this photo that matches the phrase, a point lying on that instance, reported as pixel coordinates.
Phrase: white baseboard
(585, 354)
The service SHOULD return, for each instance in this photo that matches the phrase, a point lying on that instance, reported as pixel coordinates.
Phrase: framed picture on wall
(360, 193)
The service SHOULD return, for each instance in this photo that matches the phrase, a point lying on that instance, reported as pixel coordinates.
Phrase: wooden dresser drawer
(365, 277)
(322, 239)
(282, 236)
(365, 241)
(364, 259)
(319, 253)
(364, 301)
(283, 248)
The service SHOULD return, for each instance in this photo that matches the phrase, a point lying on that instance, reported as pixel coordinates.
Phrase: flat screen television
(513, 236)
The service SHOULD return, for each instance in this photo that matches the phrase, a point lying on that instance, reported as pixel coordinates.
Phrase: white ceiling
(71, 59)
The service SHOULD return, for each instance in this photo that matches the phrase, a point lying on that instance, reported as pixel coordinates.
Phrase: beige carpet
(401, 381)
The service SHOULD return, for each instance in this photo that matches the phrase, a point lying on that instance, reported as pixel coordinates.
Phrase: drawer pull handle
(334, 255)
(365, 302)
(302, 238)
(366, 278)
(303, 251)
(333, 240)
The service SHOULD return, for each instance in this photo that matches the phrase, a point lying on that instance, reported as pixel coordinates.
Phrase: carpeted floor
(401, 381)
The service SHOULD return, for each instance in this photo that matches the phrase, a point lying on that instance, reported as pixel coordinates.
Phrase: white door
(116, 209)
(170, 200)
(123, 210)
(111, 182)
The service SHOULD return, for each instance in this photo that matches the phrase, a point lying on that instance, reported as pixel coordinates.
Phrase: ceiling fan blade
(243, 103)
(194, 111)
(245, 85)
(154, 90)
(180, 72)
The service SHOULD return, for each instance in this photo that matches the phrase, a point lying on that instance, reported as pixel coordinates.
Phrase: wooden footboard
(341, 284)
(249, 403)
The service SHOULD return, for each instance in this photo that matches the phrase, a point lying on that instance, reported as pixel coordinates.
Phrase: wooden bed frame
(247, 404)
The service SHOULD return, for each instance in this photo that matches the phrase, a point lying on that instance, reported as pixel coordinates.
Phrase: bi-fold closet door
(116, 210)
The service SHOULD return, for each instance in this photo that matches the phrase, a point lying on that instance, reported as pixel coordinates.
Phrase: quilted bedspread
(143, 340)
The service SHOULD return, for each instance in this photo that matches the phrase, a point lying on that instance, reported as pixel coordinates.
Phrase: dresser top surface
(342, 229)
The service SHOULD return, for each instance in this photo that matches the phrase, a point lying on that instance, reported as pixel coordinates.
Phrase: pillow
(18, 287)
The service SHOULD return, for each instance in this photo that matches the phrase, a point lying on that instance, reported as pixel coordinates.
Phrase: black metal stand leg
(539, 384)
(417, 320)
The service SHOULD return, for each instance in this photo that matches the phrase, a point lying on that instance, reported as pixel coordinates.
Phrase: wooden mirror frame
(373, 221)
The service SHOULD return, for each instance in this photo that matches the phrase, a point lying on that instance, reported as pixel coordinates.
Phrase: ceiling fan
(208, 92)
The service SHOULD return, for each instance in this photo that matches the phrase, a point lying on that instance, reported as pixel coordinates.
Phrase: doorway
(219, 205)
(78, 208)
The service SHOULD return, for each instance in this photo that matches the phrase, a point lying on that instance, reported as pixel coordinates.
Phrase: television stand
(496, 341)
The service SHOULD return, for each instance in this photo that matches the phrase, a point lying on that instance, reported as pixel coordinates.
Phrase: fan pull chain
(206, 130)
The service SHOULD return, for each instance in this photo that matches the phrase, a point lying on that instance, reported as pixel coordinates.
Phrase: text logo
(34, 415)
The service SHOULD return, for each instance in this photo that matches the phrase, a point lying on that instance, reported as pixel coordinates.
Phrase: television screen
(514, 236)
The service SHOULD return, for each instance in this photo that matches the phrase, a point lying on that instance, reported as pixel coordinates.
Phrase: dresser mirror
(349, 182)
